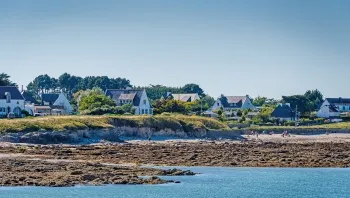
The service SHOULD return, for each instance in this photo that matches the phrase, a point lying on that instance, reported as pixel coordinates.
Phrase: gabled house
(230, 103)
(138, 98)
(341, 104)
(283, 112)
(187, 97)
(58, 102)
(328, 111)
(11, 101)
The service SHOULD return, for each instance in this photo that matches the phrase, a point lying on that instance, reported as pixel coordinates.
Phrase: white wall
(144, 105)
(12, 105)
(325, 113)
(217, 105)
(248, 104)
(63, 101)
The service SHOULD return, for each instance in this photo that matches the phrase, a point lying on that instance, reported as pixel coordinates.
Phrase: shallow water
(214, 182)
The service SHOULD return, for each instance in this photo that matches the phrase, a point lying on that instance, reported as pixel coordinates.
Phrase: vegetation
(155, 92)
(71, 84)
(306, 103)
(63, 123)
(5, 80)
(176, 106)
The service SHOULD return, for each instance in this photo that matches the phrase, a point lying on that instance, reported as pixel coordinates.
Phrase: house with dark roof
(230, 103)
(138, 98)
(58, 102)
(11, 101)
(28, 98)
(184, 97)
(333, 107)
(342, 104)
(283, 112)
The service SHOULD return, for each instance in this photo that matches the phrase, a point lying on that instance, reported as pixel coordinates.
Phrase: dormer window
(8, 97)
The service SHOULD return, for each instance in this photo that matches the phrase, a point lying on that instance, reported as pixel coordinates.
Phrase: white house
(11, 101)
(184, 97)
(138, 98)
(342, 104)
(328, 111)
(58, 103)
(230, 103)
(333, 107)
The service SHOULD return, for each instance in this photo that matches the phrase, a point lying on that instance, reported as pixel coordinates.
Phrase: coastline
(91, 150)
(123, 163)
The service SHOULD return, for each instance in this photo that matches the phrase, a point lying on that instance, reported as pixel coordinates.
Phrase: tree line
(71, 84)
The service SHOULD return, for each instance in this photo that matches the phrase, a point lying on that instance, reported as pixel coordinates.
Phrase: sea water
(214, 182)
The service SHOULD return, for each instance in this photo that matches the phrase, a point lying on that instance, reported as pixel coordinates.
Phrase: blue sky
(256, 47)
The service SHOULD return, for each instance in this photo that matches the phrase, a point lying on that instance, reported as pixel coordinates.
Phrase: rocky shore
(27, 170)
(121, 163)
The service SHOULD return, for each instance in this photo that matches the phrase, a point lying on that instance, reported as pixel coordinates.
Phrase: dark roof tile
(15, 93)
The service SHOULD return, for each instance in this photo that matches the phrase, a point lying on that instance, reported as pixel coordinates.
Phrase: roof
(188, 97)
(29, 98)
(128, 96)
(51, 98)
(125, 94)
(338, 100)
(233, 101)
(236, 99)
(15, 93)
(283, 111)
(332, 108)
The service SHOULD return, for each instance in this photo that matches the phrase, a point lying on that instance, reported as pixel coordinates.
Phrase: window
(144, 102)
(146, 111)
(344, 108)
(143, 111)
(8, 97)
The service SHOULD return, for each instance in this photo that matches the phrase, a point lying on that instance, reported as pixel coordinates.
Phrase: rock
(89, 177)
(77, 173)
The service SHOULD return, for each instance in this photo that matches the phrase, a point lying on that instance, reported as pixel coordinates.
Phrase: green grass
(65, 123)
(159, 122)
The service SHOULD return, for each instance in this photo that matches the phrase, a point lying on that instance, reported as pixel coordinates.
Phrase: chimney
(22, 89)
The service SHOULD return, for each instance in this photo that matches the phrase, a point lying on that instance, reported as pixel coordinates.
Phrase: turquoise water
(214, 182)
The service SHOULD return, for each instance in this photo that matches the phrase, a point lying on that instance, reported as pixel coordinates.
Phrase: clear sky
(256, 47)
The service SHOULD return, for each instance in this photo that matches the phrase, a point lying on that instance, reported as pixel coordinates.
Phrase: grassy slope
(62, 123)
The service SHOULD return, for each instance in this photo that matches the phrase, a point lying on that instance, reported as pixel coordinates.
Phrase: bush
(26, 113)
(289, 123)
(104, 110)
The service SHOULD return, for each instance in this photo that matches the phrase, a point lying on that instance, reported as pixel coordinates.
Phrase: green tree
(239, 113)
(128, 108)
(259, 101)
(5, 80)
(315, 98)
(207, 102)
(193, 88)
(94, 99)
(263, 116)
(170, 106)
